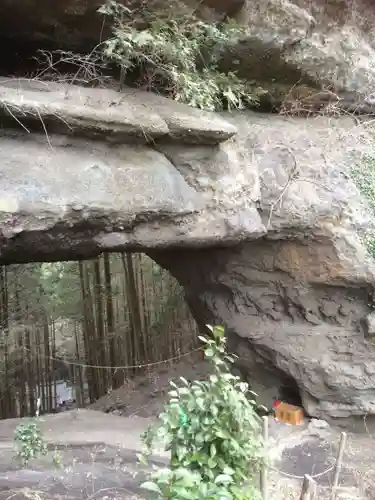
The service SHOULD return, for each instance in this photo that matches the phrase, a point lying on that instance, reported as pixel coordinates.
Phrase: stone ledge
(67, 198)
(106, 113)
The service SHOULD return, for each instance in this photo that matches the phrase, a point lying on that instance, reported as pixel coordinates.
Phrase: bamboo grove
(90, 323)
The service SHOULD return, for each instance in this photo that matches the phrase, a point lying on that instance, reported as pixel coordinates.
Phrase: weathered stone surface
(294, 301)
(80, 199)
(106, 114)
(293, 280)
(108, 458)
(324, 45)
(368, 324)
(282, 310)
(107, 197)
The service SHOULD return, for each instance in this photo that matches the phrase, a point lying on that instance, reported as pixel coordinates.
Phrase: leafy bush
(30, 442)
(177, 56)
(213, 433)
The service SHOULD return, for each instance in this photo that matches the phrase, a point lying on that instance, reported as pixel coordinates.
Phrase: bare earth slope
(145, 396)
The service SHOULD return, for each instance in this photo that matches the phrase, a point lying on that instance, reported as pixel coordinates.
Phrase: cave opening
(289, 392)
(267, 382)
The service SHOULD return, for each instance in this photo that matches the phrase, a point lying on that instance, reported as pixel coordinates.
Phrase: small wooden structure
(285, 412)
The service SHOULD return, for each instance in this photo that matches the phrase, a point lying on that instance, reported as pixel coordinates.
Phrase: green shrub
(213, 433)
(29, 441)
(177, 56)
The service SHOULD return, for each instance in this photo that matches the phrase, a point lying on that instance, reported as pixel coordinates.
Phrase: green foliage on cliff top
(177, 56)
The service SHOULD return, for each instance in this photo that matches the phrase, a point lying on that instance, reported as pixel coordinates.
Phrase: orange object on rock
(288, 413)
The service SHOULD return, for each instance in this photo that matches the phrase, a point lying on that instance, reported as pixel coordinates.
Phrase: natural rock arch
(254, 215)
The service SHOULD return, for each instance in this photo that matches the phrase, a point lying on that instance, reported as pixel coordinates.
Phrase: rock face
(255, 215)
(73, 24)
(296, 298)
(281, 314)
(308, 55)
(108, 195)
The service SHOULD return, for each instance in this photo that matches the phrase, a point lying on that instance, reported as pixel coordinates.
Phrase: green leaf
(202, 339)
(219, 332)
(223, 478)
(184, 381)
(150, 486)
(183, 391)
(142, 459)
(228, 471)
(182, 492)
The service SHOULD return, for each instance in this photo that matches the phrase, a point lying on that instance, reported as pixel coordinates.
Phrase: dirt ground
(98, 450)
(145, 395)
(310, 449)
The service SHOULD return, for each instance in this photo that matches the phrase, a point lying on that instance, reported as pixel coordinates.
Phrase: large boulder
(255, 215)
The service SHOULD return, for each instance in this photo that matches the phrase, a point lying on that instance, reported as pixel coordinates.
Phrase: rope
(330, 468)
(126, 367)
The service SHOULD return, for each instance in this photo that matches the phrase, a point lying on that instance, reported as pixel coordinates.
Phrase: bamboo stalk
(102, 339)
(86, 336)
(47, 362)
(113, 353)
(40, 377)
(53, 364)
(23, 405)
(78, 374)
(30, 374)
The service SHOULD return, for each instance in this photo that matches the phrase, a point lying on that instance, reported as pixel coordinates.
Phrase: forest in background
(83, 322)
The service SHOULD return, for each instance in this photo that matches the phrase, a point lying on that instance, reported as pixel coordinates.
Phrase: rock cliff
(255, 215)
(307, 55)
